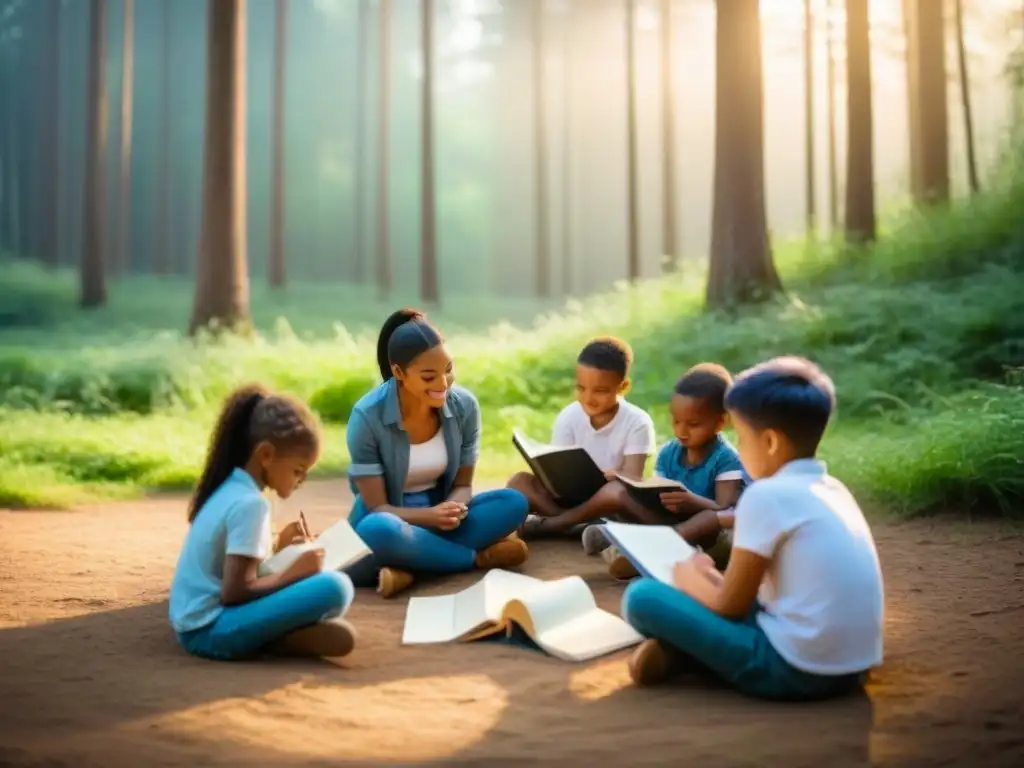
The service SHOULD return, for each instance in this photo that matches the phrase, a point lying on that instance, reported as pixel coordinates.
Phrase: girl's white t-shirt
(823, 597)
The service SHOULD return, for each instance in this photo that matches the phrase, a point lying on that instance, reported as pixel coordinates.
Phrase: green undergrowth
(923, 334)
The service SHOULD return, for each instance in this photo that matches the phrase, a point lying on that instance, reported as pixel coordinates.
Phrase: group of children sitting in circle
(784, 599)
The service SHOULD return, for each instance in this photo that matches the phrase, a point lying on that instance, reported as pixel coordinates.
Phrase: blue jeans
(735, 651)
(493, 515)
(242, 630)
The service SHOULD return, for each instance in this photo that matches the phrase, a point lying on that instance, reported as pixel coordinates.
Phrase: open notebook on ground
(341, 545)
(559, 616)
(652, 549)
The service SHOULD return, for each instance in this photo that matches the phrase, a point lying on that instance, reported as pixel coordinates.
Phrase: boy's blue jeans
(736, 651)
(492, 516)
(243, 630)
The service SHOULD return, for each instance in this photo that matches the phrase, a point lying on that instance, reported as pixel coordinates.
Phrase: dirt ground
(90, 673)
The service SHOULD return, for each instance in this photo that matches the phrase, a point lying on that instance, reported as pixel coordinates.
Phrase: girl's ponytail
(392, 324)
(230, 444)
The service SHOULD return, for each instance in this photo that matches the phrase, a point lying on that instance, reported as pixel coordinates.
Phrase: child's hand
(305, 565)
(685, 573)
(611, 474)
(292, 533)
(676, 501)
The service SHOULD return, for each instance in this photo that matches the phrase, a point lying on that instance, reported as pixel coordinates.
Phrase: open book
(559, 616)
(652, 549)
(648, 492)
(341, 544)
(568, 472)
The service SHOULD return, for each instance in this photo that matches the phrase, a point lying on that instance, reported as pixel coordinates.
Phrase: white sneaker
(594, 539)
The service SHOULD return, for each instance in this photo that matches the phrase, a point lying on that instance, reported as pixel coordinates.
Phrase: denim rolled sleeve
(363, 447)
(470, 426)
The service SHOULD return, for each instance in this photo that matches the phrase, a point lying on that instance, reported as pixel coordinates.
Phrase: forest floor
(90, 674)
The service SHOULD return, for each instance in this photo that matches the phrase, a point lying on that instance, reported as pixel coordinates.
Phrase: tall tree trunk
(385, 276)
(428, 208)
(860, 177)
(94, 284)
(741, 266)
(965, 99)
(811, 193)
(222, 280)
(8, 210)
(913, 100)
(163, 214)
(568, 29)
(927, 61)
(669, 205)
(633, 210)
(362, 71)
(124, 208)
(542, 264)
(830, 78)
(275, 267)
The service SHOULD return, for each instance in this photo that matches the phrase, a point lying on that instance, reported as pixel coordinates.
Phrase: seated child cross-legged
(220, 607)
(618, 436)
(700, 458)
(798, 613)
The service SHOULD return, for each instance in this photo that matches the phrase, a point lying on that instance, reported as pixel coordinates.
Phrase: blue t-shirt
(235, 520)
(721, 463)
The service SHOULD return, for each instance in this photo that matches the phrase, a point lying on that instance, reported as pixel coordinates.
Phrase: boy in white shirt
(798, 613)
(618, 435)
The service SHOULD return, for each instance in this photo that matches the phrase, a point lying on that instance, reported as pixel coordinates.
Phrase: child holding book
(700, 458)
(798, 613)
(220, 607)
(618, 436)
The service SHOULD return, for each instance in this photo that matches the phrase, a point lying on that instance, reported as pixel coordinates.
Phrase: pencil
(304, 525)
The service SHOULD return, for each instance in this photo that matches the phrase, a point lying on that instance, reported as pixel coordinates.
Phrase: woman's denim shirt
(378, 444)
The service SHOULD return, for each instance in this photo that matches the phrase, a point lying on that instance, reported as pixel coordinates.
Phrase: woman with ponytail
(220, 607)
(414, 441)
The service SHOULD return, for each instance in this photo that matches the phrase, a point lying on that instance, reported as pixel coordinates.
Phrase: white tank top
(427, 462)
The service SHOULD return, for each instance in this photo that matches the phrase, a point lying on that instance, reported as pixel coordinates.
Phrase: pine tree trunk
(542, 263)
(809, 185)
(965, 99)
(124, 209)
(568, 28)
(741, 266)
(276, 267)
(860, 177)
(671, 256)
(633, 211)
(927, 62)
(163, 198)
(222, 280)
(429, 293)
(94, 284)
(384, 272)
(359, 251)
(830, 82)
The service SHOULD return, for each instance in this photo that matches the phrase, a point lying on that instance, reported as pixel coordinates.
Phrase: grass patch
(922, 333)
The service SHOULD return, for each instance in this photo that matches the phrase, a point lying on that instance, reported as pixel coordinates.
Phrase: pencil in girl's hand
(305, 526)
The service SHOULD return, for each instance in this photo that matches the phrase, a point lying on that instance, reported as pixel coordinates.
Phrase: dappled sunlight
(407, 719)
(600, 679)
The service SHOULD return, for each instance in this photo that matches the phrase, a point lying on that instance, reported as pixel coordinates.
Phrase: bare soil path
(90, 674)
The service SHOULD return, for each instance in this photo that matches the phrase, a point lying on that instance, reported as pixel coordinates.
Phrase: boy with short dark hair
(618, 435)
(700, 458)
(801, 543)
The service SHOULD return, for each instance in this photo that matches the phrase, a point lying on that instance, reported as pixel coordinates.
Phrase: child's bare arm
(242, 582)
(632, 467)
(727, 493)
